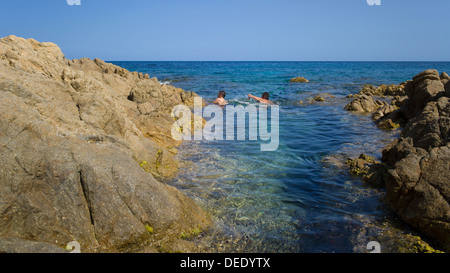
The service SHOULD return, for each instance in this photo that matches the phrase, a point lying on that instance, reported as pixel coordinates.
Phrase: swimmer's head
(265, 96)
(221, 94)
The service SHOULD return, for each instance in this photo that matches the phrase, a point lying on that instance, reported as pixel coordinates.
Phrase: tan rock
(418, 180)
(299, 79)
(73, 143)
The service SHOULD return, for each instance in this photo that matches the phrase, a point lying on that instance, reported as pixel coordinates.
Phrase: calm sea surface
(299, 198)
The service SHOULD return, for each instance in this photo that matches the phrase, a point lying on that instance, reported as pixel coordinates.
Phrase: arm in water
(264, 99)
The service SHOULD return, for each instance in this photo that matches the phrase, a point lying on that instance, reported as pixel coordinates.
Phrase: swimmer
(264, 98)
(221, 99)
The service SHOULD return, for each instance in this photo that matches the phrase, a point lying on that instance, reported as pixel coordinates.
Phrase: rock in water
(416, 169)
(364, 103)
(418, 181)
(319, 99)
(299, 79)
(73, 134)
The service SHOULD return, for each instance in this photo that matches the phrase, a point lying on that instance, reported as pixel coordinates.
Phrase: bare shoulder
(266, 102)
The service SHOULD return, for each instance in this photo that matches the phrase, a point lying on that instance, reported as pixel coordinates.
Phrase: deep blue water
(299, 198)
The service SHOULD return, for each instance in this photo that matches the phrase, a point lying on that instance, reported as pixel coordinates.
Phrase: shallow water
(299, 198)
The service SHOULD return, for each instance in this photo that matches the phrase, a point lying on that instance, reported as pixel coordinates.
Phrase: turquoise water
(299, 198)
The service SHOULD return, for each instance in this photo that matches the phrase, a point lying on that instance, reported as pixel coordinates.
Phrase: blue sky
(228, 30)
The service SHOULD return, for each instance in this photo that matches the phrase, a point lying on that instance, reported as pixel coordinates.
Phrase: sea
(301, 197)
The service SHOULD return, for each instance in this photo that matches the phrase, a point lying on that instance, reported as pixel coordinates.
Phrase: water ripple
(298, 198)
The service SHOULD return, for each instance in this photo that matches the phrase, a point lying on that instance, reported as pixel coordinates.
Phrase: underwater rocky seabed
(300, 198)
(332, 211)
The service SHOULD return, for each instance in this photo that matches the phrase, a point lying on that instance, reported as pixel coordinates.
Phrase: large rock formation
(418, 184)
(81, 144)
(417, 177)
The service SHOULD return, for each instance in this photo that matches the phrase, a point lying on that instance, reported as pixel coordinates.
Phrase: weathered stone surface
(366, 100)
(418, 182)
(364, 103)
(416, 168)
(431, 127)
(72, 146)
(418, 188)
(430, 74)
(421, 90)
(383, 90)
(447, 89)
(444, 78)
(384, 111)
(15, 245)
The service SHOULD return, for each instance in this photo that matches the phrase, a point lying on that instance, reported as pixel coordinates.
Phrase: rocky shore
(415, 169)
(84, 146)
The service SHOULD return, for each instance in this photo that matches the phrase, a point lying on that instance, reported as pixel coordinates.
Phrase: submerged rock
(360, 165)
(319, 99)
(73, 133)
(370, 170)
(393, 236)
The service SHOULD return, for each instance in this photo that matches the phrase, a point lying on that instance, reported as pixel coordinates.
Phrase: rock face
(417, 179)
(15, 245)
(73, 134)
(424, 87)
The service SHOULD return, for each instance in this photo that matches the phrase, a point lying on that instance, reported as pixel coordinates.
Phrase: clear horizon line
(415, 61)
